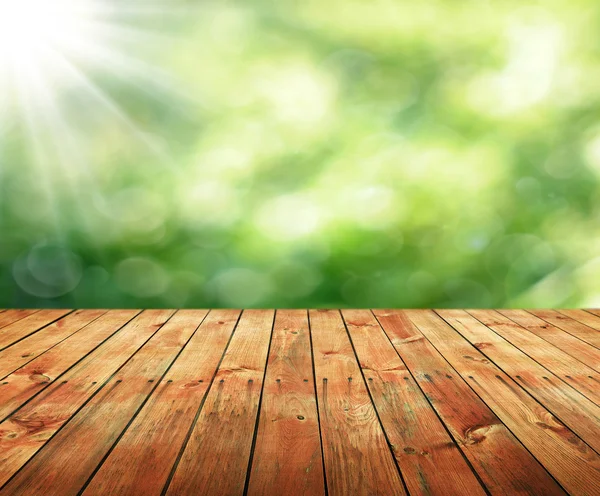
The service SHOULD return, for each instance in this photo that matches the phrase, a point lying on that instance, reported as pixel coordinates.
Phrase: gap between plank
(73, 365)
(193, 424)
(362, 374)
(157, 383)
(101, 388)
(515, 382)
(312, 356)
(262, 389)
(433, 409)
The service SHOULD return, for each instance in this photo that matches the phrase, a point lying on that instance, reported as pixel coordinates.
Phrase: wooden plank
(96, 427)
(502, 462)
(29, 380)
(430, 461)
(577, 329)
(141, 461)
(357, 457)
(287, 455)
(593, 311)
(27, 430)
(586, 318)
(11, 316)
(559, 338)
(215, 459)
(570, 460)
(571, 371)
(576, 411)
(27, 349)
(16, 331)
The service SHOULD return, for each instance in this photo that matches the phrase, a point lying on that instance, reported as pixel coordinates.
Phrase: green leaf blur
(321, 154)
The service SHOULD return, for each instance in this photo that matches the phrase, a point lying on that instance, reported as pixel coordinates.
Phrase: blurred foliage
(311, 154)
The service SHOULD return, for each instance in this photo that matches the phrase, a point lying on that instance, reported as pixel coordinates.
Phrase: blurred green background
(311, 154)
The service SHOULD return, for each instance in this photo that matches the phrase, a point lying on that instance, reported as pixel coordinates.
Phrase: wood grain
(99, 423)
(573, 409)
(559, 338)
(11, 316)
(319, 402)
(585, 333)
(24, 432)
(570, 460)
(27, 349)
(288, 417)
(502, 462)
(587, 318)
(215, 459)
(27, 381)
(142, 460)
(562, 365)
(428, 457)
(357, 457)
(22, 328)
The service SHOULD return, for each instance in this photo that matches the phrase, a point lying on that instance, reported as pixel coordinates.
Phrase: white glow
(289, 217)
(30, 30)
(535, 44)
(51, 54)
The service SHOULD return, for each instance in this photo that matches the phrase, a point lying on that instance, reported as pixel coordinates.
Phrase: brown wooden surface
(355, 449)
(142, 460)
(428, 457)
(587, 334)
(258, 402)
(26, 326)
(504, 465)
(288, 419)
(29, 348)
(215, 458)
(564, 341)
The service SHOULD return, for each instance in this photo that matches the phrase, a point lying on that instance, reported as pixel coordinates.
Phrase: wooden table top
(293, 402)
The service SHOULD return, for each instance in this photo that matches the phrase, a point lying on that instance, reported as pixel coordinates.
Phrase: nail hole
(300, 417)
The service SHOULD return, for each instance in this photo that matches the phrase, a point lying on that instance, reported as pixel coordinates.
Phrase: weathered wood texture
(298, 402)
(357, 457)
(143, 458)
(216, 457)
(288, 419)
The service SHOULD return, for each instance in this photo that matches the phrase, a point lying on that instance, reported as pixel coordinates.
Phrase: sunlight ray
(106, 103)
(27, 78)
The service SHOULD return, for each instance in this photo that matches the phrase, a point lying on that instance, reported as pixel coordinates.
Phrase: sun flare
(36, 34)
(55, 58)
